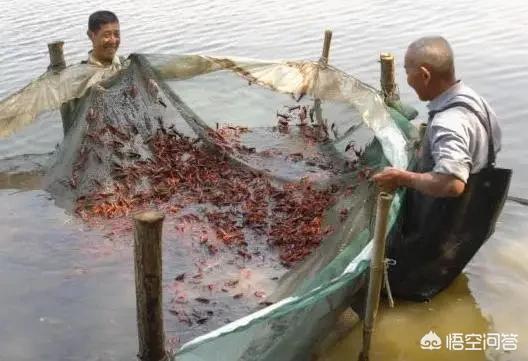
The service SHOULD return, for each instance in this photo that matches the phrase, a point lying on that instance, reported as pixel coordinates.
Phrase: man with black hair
(103, 31)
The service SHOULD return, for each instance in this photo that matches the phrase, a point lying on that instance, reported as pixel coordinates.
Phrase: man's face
(418, 77)
(105, 41)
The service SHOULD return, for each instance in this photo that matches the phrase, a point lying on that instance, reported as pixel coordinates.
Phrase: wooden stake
(323, 60)
(326, 47)
(376, 271)
(388, 83)
(56, 54)
(57, 63)
(147, 257)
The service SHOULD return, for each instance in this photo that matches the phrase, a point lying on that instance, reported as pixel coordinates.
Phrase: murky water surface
(67, 294)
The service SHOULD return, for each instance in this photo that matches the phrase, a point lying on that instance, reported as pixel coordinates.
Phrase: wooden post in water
(57, 63)
(388, 82)
(376, 271)
(147, 260)
(323, 60)
(326, 47)
(56, 54)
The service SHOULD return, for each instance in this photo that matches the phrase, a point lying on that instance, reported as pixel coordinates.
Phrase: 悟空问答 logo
(431, 341)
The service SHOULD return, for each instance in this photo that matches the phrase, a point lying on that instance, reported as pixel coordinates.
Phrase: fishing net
(261, 169)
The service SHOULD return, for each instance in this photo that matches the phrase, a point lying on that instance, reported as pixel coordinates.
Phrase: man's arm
(433, 184)
(449, 139)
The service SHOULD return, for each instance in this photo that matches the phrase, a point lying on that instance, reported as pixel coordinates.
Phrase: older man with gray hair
(454, 193)
(457, 140)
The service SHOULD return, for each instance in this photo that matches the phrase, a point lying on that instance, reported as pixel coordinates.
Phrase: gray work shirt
(458, 142)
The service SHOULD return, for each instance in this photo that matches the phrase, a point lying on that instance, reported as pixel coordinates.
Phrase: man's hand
(389, 179)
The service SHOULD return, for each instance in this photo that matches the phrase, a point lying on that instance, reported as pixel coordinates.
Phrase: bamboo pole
(56, 54)
(388, 82)
(147, 260)
(376, 271)
(323, 61)
(421, 130)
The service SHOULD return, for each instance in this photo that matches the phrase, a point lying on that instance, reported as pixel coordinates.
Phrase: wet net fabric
(47, 93)
(261, 166)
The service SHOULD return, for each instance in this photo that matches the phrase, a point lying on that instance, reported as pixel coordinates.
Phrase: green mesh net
(265, 162)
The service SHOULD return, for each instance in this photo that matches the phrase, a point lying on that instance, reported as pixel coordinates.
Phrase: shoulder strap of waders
(486, 123)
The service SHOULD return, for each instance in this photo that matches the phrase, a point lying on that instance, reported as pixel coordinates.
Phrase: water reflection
(20, 181)
(488, 298)
(399, 330)
(60, 302)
